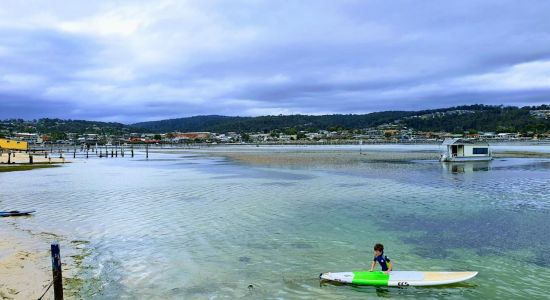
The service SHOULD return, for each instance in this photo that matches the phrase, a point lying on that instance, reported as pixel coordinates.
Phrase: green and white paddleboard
(398, 278)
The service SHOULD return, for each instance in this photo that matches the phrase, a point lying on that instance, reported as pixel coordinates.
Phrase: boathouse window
(481, 150)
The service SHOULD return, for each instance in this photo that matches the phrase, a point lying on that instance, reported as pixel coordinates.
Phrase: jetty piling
(56, 272)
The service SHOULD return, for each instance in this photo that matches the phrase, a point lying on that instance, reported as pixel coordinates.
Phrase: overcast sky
(133, 61)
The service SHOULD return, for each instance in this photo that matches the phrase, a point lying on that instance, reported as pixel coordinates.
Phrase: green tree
(246, 137)
(291, 131)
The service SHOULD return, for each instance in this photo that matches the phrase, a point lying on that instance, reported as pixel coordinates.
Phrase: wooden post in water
(147, 151)
(132, 150)
(56, 271)
(86, 153)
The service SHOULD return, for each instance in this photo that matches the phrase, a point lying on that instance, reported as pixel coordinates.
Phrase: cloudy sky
(133, 61)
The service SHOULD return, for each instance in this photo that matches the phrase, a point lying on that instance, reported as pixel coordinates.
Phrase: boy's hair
(379, 247)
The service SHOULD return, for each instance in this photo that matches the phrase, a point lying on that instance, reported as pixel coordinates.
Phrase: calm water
(185, 227)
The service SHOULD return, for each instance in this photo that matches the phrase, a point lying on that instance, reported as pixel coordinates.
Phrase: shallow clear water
(184, 226)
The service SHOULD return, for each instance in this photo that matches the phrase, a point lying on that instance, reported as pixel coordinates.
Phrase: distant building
(461, 150)
(542, 114)
(31, 138)
(6, 144)
(192, 135)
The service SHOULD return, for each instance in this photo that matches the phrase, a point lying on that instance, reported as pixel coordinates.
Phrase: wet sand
(336, 158)
(24, 265)
(340, 157)
(520, 154)
(25, 262)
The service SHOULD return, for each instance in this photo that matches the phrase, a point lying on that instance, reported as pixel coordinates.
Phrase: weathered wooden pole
(56, 271)
(86, 153)
(147, 151)
(30, 159)
(132, 150)
(9, 157)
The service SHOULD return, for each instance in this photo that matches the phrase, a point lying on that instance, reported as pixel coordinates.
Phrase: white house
(458, 149)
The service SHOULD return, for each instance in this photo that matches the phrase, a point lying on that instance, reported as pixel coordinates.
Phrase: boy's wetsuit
(383, 261)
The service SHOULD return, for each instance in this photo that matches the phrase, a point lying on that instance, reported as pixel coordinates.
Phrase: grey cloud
(387, 51)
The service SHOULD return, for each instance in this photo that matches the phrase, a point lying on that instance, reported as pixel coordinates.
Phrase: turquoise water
(182, 226)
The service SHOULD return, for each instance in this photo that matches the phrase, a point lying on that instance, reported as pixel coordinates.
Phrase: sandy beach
(21, 162)
(25, 267)
(24, 158)
(25, 262)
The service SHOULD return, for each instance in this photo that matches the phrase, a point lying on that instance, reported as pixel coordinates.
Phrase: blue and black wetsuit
(383, 261)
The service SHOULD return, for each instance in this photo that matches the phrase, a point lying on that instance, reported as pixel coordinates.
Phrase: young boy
(383, 260)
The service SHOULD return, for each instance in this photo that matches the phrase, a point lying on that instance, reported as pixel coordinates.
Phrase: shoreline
(20, 161)
(25, 167)
(332, 157)
(25, 262)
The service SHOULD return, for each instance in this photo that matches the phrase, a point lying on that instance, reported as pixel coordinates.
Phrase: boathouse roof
(461, 141)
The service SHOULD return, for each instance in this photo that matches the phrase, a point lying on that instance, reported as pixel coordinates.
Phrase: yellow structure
(13, 145)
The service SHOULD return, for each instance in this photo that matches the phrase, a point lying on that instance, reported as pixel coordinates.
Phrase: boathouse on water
(459, 150)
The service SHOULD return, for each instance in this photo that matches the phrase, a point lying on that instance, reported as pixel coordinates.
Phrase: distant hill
(58, 128)
(268, 123)
(453, 119)
(459, 118)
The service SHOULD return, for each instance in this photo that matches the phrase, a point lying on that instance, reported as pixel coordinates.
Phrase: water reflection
(466, 167)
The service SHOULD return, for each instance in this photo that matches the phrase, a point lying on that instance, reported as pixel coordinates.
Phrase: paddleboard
(15, 213)
(398, 278)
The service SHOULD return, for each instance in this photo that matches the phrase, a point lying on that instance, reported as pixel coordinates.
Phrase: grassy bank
(24, 167)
